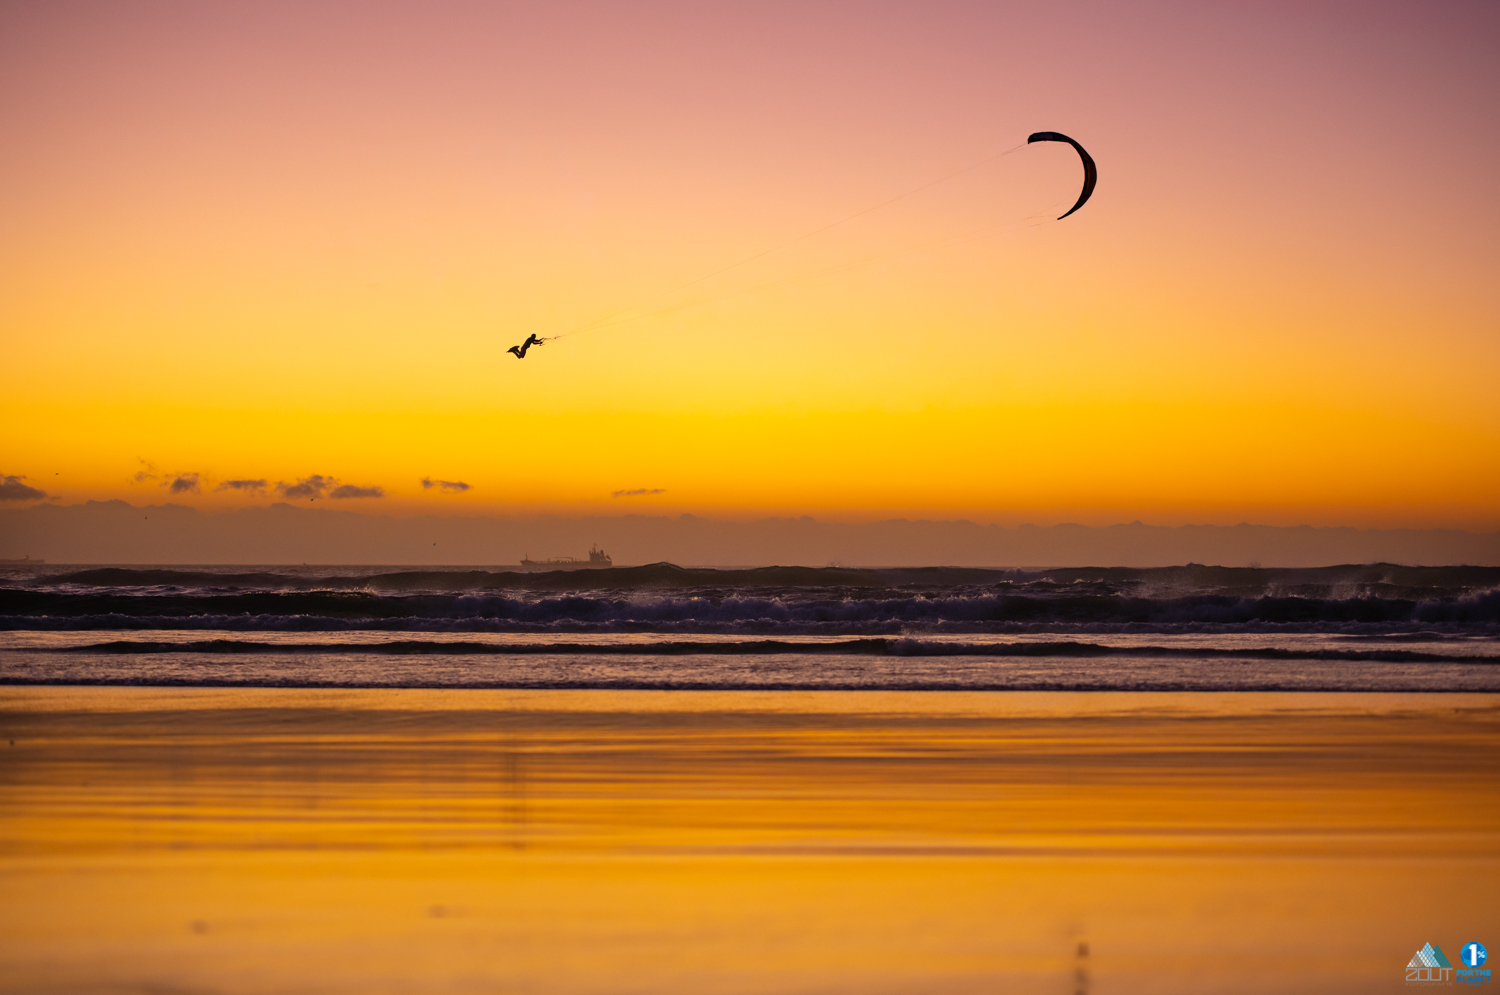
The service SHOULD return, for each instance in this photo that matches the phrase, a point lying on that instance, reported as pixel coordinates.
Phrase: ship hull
(542, 566)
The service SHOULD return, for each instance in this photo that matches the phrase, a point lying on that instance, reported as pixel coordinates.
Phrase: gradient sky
(266, 241)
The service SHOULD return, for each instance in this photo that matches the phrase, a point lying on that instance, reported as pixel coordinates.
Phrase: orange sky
(266, 241)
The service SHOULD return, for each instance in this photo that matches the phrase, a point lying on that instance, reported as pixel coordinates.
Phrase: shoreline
(20, 698)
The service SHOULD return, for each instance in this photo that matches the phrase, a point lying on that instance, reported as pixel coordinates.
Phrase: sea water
(1353, 628)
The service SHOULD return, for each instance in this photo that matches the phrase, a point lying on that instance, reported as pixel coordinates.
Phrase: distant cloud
(317, 485)
(448, 485)
(253, 486)
(306, 487)
(639, 492)
(175, 483)
(11, 489)
(182, 483)
(350, 491)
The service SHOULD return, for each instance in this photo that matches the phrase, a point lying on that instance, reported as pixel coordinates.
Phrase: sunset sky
(267, 241)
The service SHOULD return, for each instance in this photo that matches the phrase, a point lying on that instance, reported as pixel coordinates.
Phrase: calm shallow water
(243, 840)
(1124, 662)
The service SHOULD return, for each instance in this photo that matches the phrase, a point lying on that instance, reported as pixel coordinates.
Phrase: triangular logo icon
(1434, 956)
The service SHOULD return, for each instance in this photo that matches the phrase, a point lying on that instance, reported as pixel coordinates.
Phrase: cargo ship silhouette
(597, 560)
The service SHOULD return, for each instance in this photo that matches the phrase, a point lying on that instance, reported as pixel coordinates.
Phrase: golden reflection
(241, 840)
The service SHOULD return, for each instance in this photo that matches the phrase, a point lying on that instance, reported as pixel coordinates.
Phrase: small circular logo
(1473, 954)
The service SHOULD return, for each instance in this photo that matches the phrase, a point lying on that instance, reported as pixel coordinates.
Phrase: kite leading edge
(1090, 171)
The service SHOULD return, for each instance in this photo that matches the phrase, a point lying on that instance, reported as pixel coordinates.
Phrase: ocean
(655, 779)
(1374, 627)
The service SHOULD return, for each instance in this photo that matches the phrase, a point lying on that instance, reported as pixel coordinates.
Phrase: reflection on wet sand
(260, 840)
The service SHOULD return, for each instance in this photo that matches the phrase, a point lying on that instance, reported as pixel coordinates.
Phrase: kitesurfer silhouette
(520, 350)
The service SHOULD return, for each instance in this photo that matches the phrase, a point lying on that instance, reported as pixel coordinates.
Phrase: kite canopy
(1090, 171)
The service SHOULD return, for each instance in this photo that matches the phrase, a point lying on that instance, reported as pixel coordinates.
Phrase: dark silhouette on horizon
(520, 350)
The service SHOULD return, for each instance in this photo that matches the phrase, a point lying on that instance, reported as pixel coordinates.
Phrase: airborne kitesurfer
(520, 350)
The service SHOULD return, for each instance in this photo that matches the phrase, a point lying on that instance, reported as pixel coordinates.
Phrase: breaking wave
(771, 647)
(1382, 580)
(789, 611)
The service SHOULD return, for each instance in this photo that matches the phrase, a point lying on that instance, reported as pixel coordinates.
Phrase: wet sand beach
(297, 840)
